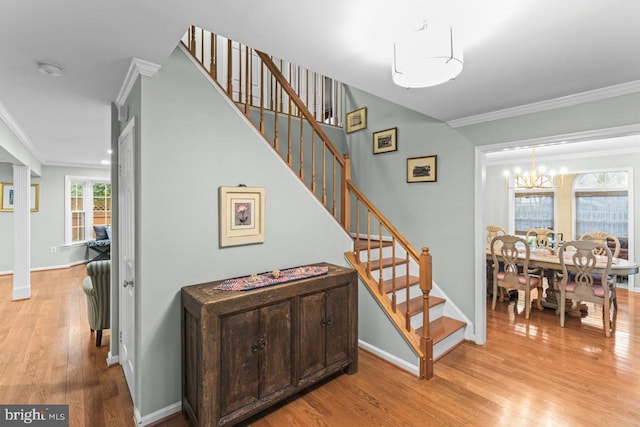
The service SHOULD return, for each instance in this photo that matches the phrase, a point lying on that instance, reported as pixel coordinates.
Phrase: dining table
(548, 261)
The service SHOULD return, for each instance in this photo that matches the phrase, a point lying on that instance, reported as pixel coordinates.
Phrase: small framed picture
(356, 120)
(385, 141)
(422, 169)
(242, 215)
(7, 195)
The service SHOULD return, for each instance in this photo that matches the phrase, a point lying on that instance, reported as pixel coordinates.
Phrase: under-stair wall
(191, 141)
(285, 140)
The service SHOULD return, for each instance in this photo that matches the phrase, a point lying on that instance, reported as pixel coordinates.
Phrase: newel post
(346, 206)
(426, 343)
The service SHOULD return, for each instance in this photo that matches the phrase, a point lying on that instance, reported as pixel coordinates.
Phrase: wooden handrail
(396, 234)
(266, 60)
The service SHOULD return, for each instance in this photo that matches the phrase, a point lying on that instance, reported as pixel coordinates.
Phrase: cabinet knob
(258, 345)
(326, 321)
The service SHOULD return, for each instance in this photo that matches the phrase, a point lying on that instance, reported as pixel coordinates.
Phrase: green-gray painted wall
(190, 143)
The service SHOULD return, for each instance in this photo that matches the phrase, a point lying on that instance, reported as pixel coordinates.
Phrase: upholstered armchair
(97, 287)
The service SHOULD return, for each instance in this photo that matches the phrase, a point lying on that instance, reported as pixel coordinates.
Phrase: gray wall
(192, 142)
(427, 214)
(47, 225)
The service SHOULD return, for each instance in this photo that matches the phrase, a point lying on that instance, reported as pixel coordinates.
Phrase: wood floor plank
(529, 373)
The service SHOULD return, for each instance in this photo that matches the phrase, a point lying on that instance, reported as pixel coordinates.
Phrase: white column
(22, 232)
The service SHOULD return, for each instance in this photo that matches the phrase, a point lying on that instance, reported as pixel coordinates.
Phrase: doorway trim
(480, 194)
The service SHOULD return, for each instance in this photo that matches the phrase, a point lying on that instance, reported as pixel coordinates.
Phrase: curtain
(533, 211)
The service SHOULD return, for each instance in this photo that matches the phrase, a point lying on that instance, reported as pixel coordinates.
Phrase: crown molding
(590, 135)
(14, 127)
(536, 107)
(78, 165)
(138, 67)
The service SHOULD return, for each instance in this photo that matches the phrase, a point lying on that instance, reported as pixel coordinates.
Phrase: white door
(126, 250)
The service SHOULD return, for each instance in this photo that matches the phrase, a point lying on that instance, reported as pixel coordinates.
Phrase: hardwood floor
(48, 353)
(529, 372)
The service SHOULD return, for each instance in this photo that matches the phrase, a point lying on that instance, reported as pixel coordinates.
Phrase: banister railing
(275, 107)
(286, 103)
(235, 67)
(363, 210)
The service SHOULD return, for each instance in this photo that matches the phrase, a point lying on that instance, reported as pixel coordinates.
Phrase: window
(533, 210)
(602, 203)
(87, 203)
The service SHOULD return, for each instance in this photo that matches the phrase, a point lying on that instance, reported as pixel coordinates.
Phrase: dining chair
(610, 241)
(541, 237)
(493, 231)
(581, 257)
(506, 274)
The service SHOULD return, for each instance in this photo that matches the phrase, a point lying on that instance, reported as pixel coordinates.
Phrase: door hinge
(120, 335)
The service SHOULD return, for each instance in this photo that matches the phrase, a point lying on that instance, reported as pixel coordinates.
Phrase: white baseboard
(158, 415)
(402, 364)
(112, 360)
(50, 267)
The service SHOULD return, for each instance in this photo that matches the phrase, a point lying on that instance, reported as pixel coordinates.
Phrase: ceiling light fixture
(427, 57)
(50, 68)
(534, 177)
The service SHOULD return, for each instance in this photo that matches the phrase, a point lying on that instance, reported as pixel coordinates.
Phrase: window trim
(532, 191)
(597, 191)
(87, 200)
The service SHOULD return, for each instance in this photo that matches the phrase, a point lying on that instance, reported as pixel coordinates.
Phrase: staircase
(285, 103)
(396, 278)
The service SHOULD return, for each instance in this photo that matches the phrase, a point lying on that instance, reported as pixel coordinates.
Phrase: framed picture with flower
(242, 214)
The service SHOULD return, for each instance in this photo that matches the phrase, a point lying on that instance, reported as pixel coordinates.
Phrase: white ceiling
(517, 52)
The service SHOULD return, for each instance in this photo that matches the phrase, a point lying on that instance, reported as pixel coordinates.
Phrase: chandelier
(427, 57)
(534, 177)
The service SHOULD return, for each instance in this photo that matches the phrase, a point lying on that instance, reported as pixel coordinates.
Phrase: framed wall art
(422, 169)
(356, 120)
(7, 193)
(242, 215)
(385, 141)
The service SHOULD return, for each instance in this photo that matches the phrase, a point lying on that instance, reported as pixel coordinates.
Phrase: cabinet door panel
(337, 315)
(275, 326)
(239, 370)
(312, 334)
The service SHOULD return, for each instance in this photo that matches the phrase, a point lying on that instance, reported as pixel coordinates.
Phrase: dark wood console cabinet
(243, 351)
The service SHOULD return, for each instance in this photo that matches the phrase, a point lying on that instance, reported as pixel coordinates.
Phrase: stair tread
(442, 327)
(415, 304)
(386, 262)
(400, 283)
(375, 244)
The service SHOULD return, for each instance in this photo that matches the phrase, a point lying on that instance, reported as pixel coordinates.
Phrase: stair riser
(435, 312)
(401, 294)
(448, 343)
(387, 273)
(374, 254)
